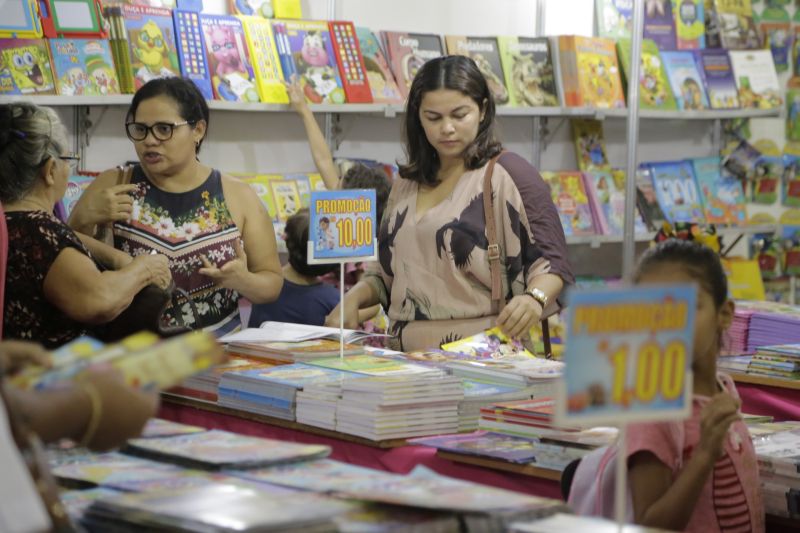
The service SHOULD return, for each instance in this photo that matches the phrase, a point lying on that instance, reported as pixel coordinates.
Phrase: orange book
(590, 72)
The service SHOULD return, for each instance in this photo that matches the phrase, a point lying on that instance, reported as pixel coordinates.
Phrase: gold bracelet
(97, 414)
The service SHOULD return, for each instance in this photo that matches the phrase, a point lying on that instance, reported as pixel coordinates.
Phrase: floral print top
(185, 227)
(35, 240)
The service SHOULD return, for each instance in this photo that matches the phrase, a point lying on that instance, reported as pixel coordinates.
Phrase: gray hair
(29, 136)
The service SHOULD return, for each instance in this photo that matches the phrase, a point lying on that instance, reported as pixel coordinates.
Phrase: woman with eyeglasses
(214, 229)
(58, 283)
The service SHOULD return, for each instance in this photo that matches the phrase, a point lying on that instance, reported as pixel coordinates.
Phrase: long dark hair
(458, 73)
(192, 106)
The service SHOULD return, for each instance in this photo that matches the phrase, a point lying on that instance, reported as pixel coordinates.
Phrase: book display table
(761, 395)
(391, 456)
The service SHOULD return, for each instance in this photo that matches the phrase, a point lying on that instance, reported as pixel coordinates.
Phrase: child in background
(359, 176)
(701, 474)
(304, 299)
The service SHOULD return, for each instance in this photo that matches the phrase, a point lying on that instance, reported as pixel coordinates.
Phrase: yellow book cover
(590, 146)
(260, 184)
(317, 184)
(266, 64)
(744, 279)
(287, 9)
(598, 77)
(286, 197)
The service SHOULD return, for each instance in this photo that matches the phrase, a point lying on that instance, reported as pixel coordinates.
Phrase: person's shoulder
(107, 177)
(514, 164)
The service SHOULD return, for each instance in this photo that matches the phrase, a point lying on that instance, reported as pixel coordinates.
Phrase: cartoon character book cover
(228, 58)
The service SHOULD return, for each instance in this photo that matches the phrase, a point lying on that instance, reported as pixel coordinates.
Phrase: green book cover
(654, 89)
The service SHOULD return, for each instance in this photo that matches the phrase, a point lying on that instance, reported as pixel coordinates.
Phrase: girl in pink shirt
(701, 474)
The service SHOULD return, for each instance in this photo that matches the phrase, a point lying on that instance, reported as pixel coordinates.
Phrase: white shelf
(727, 232)
(391, 110)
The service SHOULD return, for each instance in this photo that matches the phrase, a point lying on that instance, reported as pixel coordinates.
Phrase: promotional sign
(342, 226)
(628, 355)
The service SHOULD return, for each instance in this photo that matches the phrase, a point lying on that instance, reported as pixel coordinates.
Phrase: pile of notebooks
(478, 394)
(779, 361)
(777, 446)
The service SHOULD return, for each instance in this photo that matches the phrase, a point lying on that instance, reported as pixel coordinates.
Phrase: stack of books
(272, 391)
(316, 404)
(520, 371)
(478, 394)
(291, 352)
(779, 470)
(379, 408)
(778, 324)
(736, 341)
(523, 418)
(779, 361)
(370, 365)
(204, 386)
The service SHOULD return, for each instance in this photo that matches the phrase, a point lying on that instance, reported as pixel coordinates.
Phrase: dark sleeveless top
(185, 227)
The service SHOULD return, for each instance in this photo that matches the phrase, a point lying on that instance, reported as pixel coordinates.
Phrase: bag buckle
(494, 252)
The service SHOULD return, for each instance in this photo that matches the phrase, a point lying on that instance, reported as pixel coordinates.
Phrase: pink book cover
(600, 222)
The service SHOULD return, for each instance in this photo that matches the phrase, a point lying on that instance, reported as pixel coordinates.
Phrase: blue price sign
(628, 355)
(343, 226)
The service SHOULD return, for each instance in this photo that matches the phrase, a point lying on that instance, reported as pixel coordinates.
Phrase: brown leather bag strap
(491, 234)
(124, 174)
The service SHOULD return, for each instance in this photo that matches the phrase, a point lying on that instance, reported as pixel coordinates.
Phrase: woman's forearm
(259, 287)
(320, 152)
(363, 294)
(54, 414)
(106, 255)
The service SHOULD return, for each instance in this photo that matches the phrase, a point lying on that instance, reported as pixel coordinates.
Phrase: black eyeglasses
(162, 131)
(71, 159)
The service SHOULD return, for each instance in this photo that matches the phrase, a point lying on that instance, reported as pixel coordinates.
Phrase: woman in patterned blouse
(214, 229)
(433, 273)
(58, 283)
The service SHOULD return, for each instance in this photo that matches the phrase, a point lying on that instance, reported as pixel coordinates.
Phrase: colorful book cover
(407, 52)
(288, 9)
(489, 344)
(659, 25)
(756, 79)
(296, 375)
(654, 88)
(620, 179)
(286, 197)
(303, 187)
(791, 181)
(260, 183)
(224, 449)
(715, 66)
(723, 197)
(690, 28)
(229, 64)
(796, 43)
(307, 51)
(7, 85)
(481, 443)
(28, 64)
(737, 29)
(266, 62)
(151, 40)
(257, 8)
(590, 146)
(614, 18)
(647, 200)
(83, 67)
(350, 61)
(677, 192)
(75, 187)
(316, 182)
(569, 194)
(685, 79)
(381, 80)
(374, 366)
(608, 201)
(192, 50)
(776, 29)
(528, 67)
(484, 51)
(765, 187)
(590, 72)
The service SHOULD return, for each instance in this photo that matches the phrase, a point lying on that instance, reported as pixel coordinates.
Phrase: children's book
(381, 80)
(83, 67)
(765, 187)
(690, 28)
(659, 24)
(222, 449)
(266, 61)
(484, 51)
(256, 8)
(120, 47)
(288, 9)
(569, 194)
(192, 52)
(741, 162)
(303, 187)
(482, 443)
(654, 88)
(775, 27)
(350, 61)
(229, 64)
(756, 79)
(715, 66)
(307, 51)
(734, 20)
(489, 344)
(614, 18)
(151, 40)
(158, 427)
(75, 187)
(407, 52)
(607, 200)
(528, 67)
(685, 79)
(375, 366)
(677, 192)
(27, 62)
(7, 85)
(286, 197)
(590, 148)
(647, 200)
(791, 181)
(109, 469)
(723, 197)
(21, 20)
(260, 184)
(590, 72)
(620, 179)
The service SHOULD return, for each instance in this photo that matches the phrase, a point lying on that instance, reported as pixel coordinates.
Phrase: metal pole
(629, 237)
(536, 158)
(328, 124)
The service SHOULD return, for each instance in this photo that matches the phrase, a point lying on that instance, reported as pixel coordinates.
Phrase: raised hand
(297, 98)
(112, 204)
(231, 274)
(715, 420)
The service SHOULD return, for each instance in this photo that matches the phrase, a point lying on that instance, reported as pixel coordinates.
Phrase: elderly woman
(214, 229)
(58, 284)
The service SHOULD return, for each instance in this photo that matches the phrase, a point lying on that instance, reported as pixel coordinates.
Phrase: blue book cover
(722, 195)
(677, 192)
(685, 79)
(83, 67)
(715, 66)
(192, 50)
